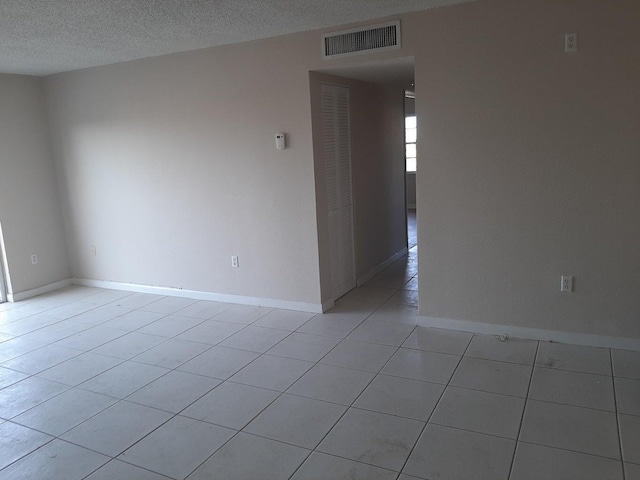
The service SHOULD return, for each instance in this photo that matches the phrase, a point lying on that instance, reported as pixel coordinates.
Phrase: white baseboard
(19, 296)
(368, 276)
(586, 339)
(328, 305)
(199, 295)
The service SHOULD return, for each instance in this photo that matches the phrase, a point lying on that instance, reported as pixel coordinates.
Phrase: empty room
(391, 240)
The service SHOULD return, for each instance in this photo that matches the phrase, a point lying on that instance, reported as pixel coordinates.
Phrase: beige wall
(528, 165)
(29, 205)
(169, 167)
(377, 153)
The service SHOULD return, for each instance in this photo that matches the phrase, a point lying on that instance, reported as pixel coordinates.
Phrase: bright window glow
(411, 136)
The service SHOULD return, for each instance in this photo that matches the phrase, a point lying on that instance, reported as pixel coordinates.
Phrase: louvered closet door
(337, 160)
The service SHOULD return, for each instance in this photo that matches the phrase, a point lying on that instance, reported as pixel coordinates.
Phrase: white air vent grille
(373, 38)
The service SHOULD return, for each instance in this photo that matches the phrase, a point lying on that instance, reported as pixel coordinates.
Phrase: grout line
(524, 409)
(617, 414)
(435, 407)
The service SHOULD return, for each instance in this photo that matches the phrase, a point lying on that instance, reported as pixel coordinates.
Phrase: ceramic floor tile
(91, 338)
(452, 454)
(572, 388)
(406, 314)
(55, 460)
(26, 394)
(129, 345)
(368, 357)
(168, 305)
(332, 384)
(388, 281)
(170, 326)
(172, 353)
(375, 296)
(419, 365)
(117, 470)
(284, 319)
(535, 462)
(137, 300)
(296, 420)
(242, 314)
(438, 340)
(178, 447)
(17, 346)
(381, 332)
(133, 320)
(303, 346)
(255, 339)
(17, 441)
(630, 438)
(100, 315)
(572, 428)
(210, 331)
(27, 325)
(247, 457)
(400, 396)
(374, 438)
(117, 428)
(632, 471)
(404, 297)
(62, 413)
(274, 373)
(513, 350)
(231, 405)
(41, 359)
(320, 466)
(480, 412)
(79, 369)
(203, 309)
(574, 357)
(492, 376)
(173, 391)
(626, 363)
(56, 331)
(9, 377)
(627, 395)
(69, 310)
(219, 362)
(123, 379)
(331, 325)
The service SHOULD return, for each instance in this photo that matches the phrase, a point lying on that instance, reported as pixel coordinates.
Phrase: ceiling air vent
(373, 38)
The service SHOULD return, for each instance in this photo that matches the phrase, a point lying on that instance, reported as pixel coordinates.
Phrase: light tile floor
(98, 384)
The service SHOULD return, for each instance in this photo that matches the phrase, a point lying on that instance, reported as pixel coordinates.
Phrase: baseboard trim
(200, 295)
(26, 294)
(586, 339)
(368, 276)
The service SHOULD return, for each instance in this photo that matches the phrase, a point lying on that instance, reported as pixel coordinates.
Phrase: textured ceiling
(40, 37)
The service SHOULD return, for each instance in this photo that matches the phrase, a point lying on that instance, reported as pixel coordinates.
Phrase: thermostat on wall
(280, 141)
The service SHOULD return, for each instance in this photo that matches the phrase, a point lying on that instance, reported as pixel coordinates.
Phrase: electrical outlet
(570, 42)
(234, 261)
(566, 283)
(92, 249)
(34, 259)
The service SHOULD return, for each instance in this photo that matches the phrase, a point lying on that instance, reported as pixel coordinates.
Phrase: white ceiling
(40, 37)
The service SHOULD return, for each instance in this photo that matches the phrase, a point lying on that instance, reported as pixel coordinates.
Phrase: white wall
(29, 205)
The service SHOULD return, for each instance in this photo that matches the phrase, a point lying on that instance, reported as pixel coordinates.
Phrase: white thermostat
(280, 141)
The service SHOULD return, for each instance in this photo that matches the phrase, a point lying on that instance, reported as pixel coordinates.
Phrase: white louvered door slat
(337, 160)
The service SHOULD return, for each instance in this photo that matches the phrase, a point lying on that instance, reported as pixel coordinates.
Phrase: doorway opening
(384, 216)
